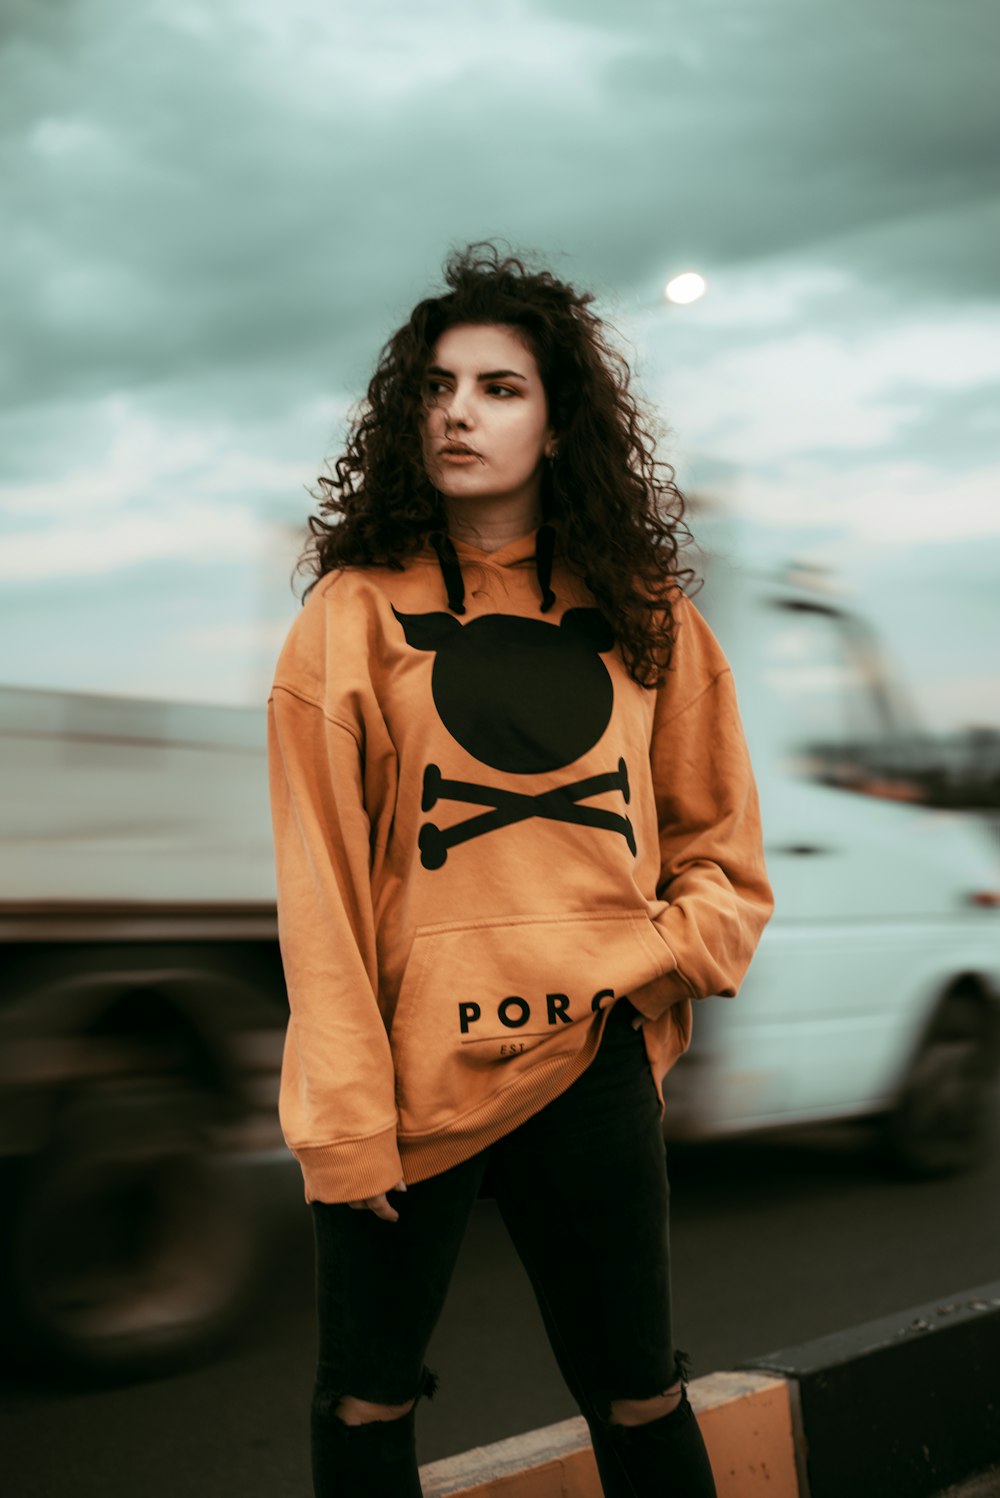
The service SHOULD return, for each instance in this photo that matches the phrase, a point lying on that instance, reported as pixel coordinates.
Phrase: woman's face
(483, 394)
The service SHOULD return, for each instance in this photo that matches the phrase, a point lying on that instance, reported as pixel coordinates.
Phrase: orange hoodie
(486, 833)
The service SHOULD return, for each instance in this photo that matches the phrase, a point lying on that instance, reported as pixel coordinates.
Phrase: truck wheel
(133, 1250)
(943, 1119)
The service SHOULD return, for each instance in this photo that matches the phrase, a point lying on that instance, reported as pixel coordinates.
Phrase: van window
(826, 681)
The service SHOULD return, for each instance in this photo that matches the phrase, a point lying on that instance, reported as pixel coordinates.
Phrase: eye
(500, 390)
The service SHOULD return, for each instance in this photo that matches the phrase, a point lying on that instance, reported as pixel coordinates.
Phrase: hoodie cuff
(653, 999)
(351, 1171)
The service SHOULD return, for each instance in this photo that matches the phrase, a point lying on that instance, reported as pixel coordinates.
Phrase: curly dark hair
(617, 511)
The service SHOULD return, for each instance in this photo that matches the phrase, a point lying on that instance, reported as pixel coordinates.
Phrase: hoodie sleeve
(337, 1101)
(712, 873)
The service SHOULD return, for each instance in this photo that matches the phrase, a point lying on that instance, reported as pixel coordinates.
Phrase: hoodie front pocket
(482, 1005)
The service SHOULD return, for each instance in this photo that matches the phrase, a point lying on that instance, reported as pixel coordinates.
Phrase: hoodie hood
(539, 544)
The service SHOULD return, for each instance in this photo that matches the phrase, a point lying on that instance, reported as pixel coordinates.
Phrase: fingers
(379, 1204)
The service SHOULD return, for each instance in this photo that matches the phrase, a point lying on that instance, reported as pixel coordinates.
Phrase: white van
(876, 987)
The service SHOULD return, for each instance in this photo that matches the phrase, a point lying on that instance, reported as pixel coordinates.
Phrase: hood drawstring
(451, 570)
(545, 546)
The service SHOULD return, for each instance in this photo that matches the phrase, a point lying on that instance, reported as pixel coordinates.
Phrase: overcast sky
(214, 214)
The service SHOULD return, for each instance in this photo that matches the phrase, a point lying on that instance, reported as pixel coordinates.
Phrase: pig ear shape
(428, 631)
(590, 627)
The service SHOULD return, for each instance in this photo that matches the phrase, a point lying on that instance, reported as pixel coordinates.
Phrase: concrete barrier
(903, 1407)
(900, 1407)
(745, 1419)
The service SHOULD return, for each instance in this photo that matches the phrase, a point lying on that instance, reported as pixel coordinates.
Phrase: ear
(590, 627)
(428, 631)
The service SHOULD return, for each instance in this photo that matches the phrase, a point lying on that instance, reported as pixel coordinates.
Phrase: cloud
(820, 389)
(198, 188)
(236, 187)
(157, 490)
(206, 628)
(215, 214)
(86, 549)
(823, 402)
(893, 503)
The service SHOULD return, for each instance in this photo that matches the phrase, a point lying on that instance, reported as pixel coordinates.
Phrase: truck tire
(943, 1119)
(133, 1250)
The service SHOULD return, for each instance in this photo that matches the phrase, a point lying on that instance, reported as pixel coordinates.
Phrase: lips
(458, 449)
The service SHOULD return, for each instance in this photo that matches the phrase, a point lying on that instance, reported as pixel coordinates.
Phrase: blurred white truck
(875, 992)
(142, 1011)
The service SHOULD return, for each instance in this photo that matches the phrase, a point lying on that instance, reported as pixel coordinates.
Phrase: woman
(517, 834)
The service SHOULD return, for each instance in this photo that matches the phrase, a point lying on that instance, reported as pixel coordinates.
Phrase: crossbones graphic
(524, 697)
(508, 807)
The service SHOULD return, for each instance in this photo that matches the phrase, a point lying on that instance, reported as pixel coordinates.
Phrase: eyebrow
(489, 374)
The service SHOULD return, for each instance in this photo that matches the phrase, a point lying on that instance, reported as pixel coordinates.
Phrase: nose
(456, 411)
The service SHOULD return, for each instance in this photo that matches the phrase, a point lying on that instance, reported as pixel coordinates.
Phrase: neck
(491, 526)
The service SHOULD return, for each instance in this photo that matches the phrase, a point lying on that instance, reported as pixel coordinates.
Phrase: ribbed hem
(654, 998)
(360, 1168)
(351, 1171)
(667, 1038)
(429, 1154)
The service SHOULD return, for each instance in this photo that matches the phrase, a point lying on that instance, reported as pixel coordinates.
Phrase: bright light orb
(685, 288)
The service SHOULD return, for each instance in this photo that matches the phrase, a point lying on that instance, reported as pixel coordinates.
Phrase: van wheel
(942, 1121)
(132, 1250)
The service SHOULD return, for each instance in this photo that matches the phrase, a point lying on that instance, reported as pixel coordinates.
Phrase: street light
(685, 288)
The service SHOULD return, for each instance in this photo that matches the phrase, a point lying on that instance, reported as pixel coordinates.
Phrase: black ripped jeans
(582, 1188)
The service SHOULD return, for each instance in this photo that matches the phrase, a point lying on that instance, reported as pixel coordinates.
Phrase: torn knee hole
(351, 1411)
(348, 1409)
(643, 1411)
(331, 1404)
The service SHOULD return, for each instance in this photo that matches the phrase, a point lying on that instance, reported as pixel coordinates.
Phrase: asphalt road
(775, 1241)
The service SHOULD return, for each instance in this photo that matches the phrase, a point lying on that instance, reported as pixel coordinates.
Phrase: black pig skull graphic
(522, 696)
